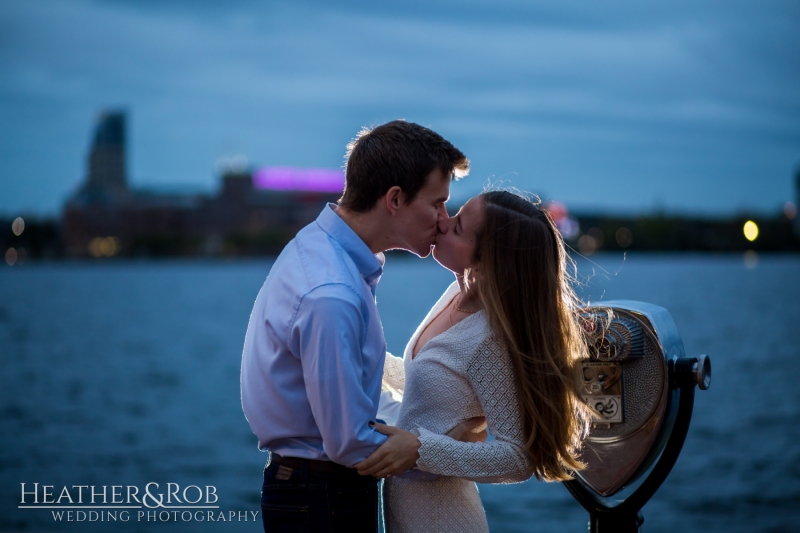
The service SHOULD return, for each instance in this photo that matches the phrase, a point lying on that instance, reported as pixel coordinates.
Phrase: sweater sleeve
(501, 460)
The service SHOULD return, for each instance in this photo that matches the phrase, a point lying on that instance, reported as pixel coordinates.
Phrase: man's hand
(398, 454)
(472, 430)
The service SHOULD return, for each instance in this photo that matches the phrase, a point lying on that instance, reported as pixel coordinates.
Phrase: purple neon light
(299, 179)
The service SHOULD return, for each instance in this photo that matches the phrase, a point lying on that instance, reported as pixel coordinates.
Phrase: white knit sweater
(461, 373)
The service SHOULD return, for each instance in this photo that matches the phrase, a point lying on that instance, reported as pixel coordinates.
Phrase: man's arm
(328, 334)
(400, 453)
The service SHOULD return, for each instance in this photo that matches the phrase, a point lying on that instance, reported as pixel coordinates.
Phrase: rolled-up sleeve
(327, 332)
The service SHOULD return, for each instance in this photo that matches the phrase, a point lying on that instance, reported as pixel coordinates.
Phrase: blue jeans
(302, 501)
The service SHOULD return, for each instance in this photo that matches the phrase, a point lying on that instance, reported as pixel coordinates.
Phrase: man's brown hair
(396, 153)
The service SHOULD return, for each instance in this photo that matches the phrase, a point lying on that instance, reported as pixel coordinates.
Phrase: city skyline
(620, 108)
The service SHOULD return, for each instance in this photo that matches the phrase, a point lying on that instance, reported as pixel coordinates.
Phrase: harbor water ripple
(125, 373)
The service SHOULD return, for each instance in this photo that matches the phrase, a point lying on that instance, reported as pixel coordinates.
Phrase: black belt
(328, 468)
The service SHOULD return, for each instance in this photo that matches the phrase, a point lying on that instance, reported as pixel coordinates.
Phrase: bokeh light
(598, 236)
(750, 230)
(104, 246)
(11, 256)
(587, 244)
(567, 225)
(18, 226)
(624, 237)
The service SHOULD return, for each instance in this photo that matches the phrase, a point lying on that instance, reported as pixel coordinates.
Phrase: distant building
(107, 157)
(253, 212)
(107, 180)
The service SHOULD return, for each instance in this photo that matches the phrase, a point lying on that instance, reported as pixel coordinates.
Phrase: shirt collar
(369, 265)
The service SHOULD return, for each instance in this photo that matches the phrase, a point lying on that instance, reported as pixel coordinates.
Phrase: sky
(679, 106)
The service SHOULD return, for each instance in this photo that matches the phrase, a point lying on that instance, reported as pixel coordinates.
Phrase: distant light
(94, 247)
(568, 227)
(750, 230)
(598, 236)
(18, 226)
(790, 210)
(104, 246)
(299, 179)
(556, 210)
(587, 244)
(11, 256)
(624, 237)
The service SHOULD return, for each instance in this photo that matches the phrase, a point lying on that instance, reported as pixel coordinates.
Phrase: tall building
(107, 181)
(107, 156)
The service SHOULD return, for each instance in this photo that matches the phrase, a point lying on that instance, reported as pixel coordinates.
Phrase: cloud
(293, 81)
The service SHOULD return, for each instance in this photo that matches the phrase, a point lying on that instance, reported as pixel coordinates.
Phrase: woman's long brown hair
(527, 294)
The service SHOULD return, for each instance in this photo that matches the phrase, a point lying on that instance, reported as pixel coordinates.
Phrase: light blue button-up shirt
(313, 355)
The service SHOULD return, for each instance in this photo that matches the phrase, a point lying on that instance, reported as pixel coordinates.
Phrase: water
(128, 373)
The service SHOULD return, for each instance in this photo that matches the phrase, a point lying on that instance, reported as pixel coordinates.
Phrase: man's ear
(394, 199)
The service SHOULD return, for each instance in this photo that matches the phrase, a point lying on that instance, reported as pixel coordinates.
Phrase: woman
(502, 342)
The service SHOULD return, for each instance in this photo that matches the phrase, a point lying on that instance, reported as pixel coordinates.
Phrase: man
(313, 356)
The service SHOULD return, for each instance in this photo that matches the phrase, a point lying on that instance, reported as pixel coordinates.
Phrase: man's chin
(425, 253)
(419, 252)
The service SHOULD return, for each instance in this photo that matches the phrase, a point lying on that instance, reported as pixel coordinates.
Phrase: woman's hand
(472, 430)
(398, 454)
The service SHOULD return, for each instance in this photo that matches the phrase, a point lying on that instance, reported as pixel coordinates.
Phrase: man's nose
(441, 212)
(443, 222)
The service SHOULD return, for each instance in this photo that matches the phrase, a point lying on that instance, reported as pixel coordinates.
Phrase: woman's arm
(502, 460)
(398, 455)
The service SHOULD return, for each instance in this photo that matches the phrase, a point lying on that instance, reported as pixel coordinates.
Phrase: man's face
(417, 222)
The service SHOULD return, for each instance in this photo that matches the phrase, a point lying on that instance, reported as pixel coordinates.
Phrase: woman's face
(455, 245)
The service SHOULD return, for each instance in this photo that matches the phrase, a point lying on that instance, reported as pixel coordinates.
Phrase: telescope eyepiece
(691, 371)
